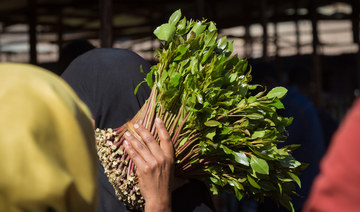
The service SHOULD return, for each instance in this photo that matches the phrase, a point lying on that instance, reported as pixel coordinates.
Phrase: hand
(154, 165)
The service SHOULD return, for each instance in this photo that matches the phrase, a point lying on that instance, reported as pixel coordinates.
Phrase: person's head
(265, 73)
(105, 79)
(70, 51)
(47, 151)
(300, 76)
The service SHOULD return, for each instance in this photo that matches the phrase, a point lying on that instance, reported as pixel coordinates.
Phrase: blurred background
(322, 35)
(318, 37)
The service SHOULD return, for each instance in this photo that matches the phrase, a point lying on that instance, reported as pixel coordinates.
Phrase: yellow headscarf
(47, 147)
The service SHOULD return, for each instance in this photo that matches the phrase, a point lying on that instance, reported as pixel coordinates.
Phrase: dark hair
(70, 51)
(299, 75)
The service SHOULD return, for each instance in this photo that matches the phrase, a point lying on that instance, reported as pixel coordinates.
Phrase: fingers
(138, 147)
(165, 140)
(138, 160)
(145, 145)
(149, 140)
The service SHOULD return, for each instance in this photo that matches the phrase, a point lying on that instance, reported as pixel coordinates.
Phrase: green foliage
(237, 130)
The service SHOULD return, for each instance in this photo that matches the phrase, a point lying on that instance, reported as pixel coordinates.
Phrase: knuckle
(133, 154)
(167, 139)
(148, 138)
(140, 146)
(153, 165)
(146, 169)
(162, 160)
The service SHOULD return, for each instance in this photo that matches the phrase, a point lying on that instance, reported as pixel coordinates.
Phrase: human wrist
(162, 204)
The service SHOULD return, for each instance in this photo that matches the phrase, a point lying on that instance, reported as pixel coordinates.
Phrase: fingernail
(126, 143)
(127, 133)
(158, 120)
(136, 126)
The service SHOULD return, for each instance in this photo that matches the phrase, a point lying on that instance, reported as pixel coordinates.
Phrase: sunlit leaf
(295, 178)
(198, 28)
(241, 158)
(253, 182)
(278, 92)
(212, 123)
(259, 165)
(175, 17)
(210, 135)
(165, 32)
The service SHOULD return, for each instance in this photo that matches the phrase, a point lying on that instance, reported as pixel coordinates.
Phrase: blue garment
(305, 130)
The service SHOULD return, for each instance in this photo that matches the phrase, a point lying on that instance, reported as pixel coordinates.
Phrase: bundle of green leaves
(225, 132)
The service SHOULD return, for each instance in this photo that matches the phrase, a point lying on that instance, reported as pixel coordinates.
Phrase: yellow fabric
(47, 147)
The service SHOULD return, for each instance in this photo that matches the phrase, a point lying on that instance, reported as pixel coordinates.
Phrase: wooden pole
(32, 30)
(355, 20)
(276, 40)
(264, 22)
(276, 28)
(60, 39)
(106, 23)
(248, 42)
(297, 29)
(356, 37)
(315, 55)
(1, 31)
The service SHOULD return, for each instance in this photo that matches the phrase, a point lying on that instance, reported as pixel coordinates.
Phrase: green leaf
(181, 27)
(284, 179)
(251, 99)
(277, 104)
(165, 32)
(241, 158)
(285, 201)
(212, 123)
(207, 55)
(253, 182)
(149, 79)
(199, 98)
(214, 189)
(175, 17)
(258, 134)
(259, 165)
(292, 147)
(255, 116)
(137, 87)
(237, 184)
(295, 178)
(225, 131)
(222, 43)
(181, 51)
(183, 141)
(278, 92)
(141, 69)
(194, 64)
(215, 180)
(212, 27)
(289, 162)
(230, 47)
(174, 80)
(238, 194)
(194, 161)
(231, 168)
(198, 28)
(280, 188)
(233, 77)
(210, 135)
(210, 38)
(226, 150)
